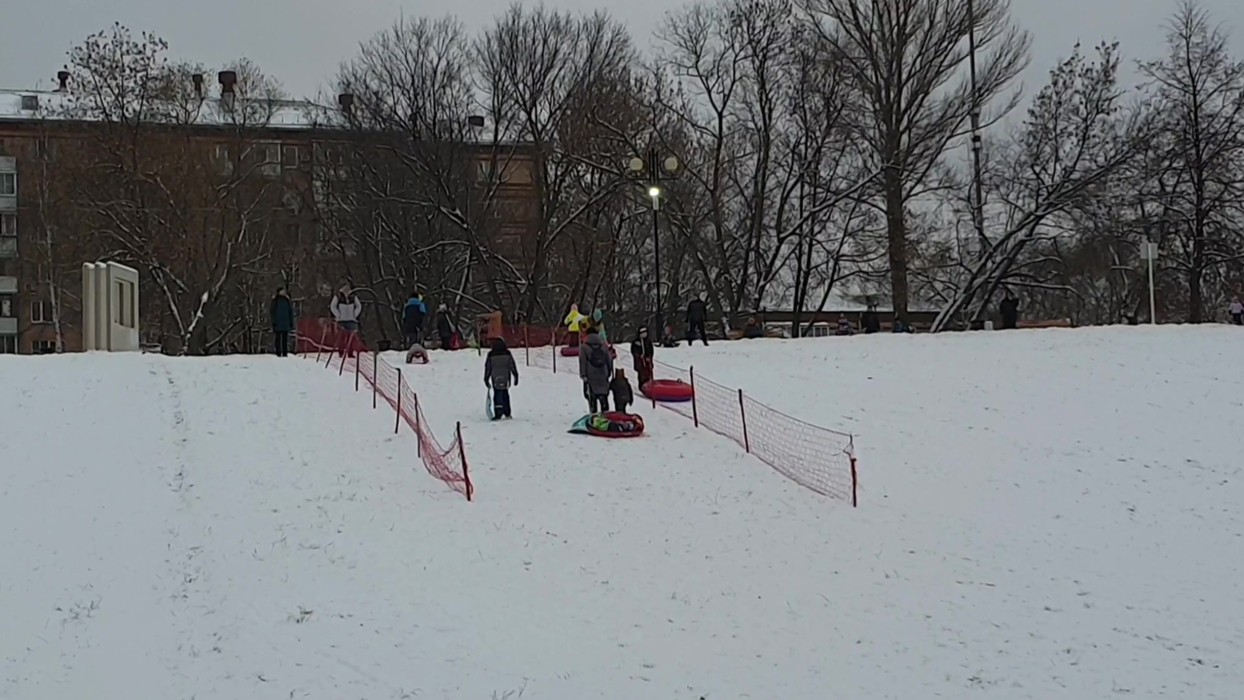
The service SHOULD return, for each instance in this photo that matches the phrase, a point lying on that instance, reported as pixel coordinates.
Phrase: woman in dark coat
(282, 321)
(644, 355)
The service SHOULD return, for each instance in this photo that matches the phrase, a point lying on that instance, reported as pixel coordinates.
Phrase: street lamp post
(651, 169)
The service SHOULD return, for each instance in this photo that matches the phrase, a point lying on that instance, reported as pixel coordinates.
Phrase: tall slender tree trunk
(896, 229)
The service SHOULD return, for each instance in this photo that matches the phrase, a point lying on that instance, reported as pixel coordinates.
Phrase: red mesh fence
(344, 352)
(816, 458)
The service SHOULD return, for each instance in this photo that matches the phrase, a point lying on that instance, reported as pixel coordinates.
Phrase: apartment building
(292, 147)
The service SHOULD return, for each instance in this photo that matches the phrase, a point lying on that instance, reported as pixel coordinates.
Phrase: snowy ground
(1044, 514)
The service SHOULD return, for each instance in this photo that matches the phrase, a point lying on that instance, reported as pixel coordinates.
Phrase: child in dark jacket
(499, 369)
(621, 390)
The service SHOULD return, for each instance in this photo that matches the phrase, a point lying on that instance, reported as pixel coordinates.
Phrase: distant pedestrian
(413, 315)
(1009, 311)
(1237, 312)
(499, 369)
(346, 310)
(697, 318)
(282, 321)
(644, 356)
(445, 328)
(574, 325)
(844, 326)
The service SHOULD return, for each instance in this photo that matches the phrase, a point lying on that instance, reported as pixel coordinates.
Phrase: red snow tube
(668, 390)
(620, 425)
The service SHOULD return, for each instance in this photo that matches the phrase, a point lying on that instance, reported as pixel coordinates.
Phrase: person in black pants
(697, 317)
(499, 369)
(1009, 310)
(282, 321)
(444, 327)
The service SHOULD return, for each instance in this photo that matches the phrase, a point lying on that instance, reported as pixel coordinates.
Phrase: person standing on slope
(644, 355)
(596, 371)
(499, 368)
(346, 309)
(697, 317)
(412, 319)
(1237, 312)
(598, 322)
(282, 321)
(574, 325)
(444, 328)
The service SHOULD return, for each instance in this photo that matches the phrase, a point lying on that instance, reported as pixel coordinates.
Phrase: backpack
(597, 357)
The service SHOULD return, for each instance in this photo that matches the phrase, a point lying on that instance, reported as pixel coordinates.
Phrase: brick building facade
(290, 157)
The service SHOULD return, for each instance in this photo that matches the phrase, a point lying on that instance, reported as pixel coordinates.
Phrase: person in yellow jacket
(574, 323)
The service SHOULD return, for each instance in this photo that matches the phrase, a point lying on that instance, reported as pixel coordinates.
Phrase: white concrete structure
(109, 307)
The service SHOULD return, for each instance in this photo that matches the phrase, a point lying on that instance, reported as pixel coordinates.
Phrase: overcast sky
(300, 42)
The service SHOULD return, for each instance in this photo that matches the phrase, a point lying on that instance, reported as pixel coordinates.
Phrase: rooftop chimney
(227, 80)
(62, 77)
(346, 101)
(197, 79)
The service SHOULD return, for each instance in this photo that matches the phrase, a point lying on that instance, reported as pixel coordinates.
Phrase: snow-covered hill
(1043, 514)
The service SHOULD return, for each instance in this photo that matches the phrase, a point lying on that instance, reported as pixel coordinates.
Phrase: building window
(8, 224)
(8, 184)
(290, 156)
(222, 152)
(8, 345)
(6, 306)
(45, 347)
(41, 311)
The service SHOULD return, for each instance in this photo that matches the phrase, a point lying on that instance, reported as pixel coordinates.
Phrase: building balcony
(8, 246)
(8, 326)
(8, 285)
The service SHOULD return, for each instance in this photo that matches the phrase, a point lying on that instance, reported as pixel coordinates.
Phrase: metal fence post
(695, 411)
(397, 420)
(466, 474)
(747, 447)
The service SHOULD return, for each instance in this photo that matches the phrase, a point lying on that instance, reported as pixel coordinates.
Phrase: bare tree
(190, 215)
(1075, 139)
(906, 58)
(1200, 92)
(548, 69)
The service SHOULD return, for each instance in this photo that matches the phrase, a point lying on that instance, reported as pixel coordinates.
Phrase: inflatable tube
(668, 390)
(610, 425)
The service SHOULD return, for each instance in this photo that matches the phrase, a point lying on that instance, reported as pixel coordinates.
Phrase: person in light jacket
(574, 325)
(1237, 312)
(346, 309)
(596, 371)
(282, 321)
(499, 368)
